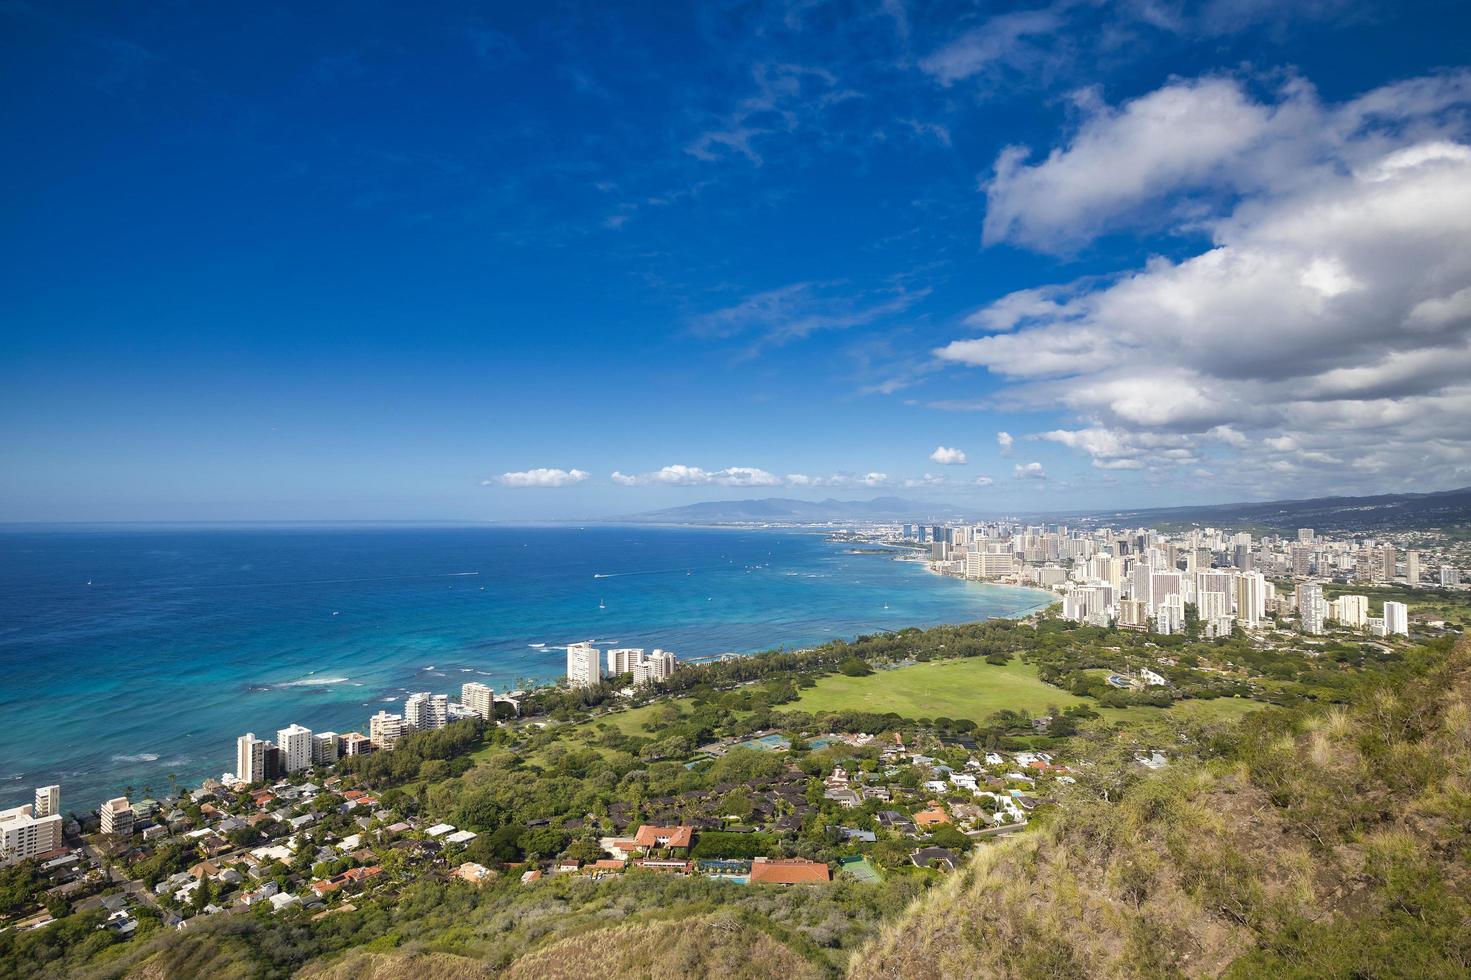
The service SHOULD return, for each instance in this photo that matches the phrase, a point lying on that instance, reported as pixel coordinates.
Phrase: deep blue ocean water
(129, 654)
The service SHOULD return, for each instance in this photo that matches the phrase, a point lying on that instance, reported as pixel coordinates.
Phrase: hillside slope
(1327, 844)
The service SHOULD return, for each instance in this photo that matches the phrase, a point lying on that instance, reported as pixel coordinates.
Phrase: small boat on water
(602, 604)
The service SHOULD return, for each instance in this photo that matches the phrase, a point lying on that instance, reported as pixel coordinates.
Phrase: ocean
(132, 654)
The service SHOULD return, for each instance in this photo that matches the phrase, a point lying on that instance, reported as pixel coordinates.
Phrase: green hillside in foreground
(1331, 843)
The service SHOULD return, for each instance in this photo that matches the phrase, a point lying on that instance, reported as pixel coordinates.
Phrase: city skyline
(490, 264)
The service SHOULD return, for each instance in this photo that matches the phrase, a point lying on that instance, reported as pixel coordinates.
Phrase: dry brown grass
(713, 946)
(401, 966)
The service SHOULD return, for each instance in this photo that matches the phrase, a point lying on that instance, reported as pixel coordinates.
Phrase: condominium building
(425, 712)
(1312, 610)
(1251, 598)
(657, 666)
(622, 660)
(356, 743)
(1351, 611)
(326, 747)
(584, 666)
(48, 801)
(385, 729)
(1412, 567)
(250, 758)
(295, 743)
(479, 698)
(26, 833)
(117, 817)
(1133, 614)
(1396, 619)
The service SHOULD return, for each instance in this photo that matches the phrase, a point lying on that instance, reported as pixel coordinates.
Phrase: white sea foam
(313, 682)
(140, 757)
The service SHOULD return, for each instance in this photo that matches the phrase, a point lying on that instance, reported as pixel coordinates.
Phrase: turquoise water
(187, 637)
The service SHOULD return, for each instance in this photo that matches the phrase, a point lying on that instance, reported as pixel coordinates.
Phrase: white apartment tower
(657, 666)
(48, 801)
(26, 833)
(326, 746)
(479, 698)
(584, 666)
(385, 729)
(296, 747)
(250, 758)
(425, 712)
(117, 817)
(1396, 619)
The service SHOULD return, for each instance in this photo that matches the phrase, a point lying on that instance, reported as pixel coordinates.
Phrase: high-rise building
(425, 712)
(1396, 619)
(48, 801)
(295, 744)
(26, 833)
(356, 743)
(622, 660)
(1450, 576)
(478, 698)
(657, 666)
(584, 666)
(1311, 609)
(1412, 567)
(1302, 558)
(1251, 598)
(1351, 611)
(385, 729)
(1133, 614)
(326, 747)
(1305, 535)
(1387, 562)
(250, 758)
(117, 817)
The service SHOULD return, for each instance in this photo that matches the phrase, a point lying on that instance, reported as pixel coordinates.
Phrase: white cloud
(1029, 471)
(983, 481)
(539, 478)
(1004, 41)
(791, 313)
(928, 480)
(680, 475)
(946, 456)
(872, 479)
(1332, 310)
(1005, 442)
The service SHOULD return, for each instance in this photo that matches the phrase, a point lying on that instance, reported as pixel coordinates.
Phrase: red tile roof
(650, 836)
(795, 871)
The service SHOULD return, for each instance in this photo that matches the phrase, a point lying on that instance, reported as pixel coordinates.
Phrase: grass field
(975, 689)
(970, 689)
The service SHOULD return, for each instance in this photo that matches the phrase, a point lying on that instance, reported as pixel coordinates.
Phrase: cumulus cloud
(1004, 442)
(1029, 471)
(928, 480)
(872, 479)
(679, 475)
(1329, 317)
(947, 456)
(983, 481)
(539, 478)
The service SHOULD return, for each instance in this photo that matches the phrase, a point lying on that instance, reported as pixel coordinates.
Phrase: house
(620, 847)
(527, 877)
(672, 837)
(935, 816)
(460, 837)
(844, 797)
(475, 874)
(858, 834)
(936, 858)
(963, 781)
(667, 865)
(279, 902)
(788, 871)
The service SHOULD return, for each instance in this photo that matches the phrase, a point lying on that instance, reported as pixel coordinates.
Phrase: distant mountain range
(1386, 512)
(788, 510)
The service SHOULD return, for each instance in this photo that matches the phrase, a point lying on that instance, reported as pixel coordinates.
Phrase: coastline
(234, 631)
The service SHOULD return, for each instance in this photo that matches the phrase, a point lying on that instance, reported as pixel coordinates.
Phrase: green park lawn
(968, 688)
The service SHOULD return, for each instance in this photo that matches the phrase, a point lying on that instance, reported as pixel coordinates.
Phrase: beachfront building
(117, 817)
(325, 748)
(355, 743)
(48, 801)
(26, 833)
(385, 729)
(295, 743)
(584, 666)
(478, 698)
(250, 758)
(645, 667)
(657, 666)
(425, 712)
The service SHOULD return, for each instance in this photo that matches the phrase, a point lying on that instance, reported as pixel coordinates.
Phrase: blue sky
(554, 260)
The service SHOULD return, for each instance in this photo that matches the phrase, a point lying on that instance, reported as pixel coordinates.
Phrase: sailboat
(601, 603)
